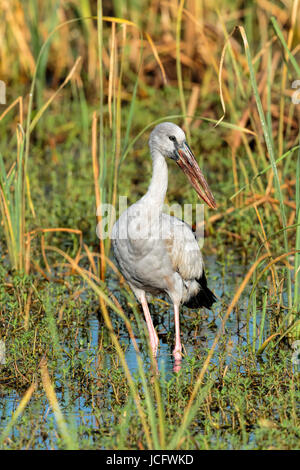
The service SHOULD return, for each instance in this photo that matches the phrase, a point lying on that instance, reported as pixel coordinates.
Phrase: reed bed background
(85, 82)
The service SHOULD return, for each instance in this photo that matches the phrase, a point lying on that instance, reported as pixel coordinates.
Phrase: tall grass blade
(285, 46)
(21, 407)
(269, 144)
(51, 395)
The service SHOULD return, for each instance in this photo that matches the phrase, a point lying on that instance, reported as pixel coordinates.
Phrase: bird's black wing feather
(204, 298)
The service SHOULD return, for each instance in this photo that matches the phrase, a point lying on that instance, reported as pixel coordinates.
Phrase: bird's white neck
(159, 182)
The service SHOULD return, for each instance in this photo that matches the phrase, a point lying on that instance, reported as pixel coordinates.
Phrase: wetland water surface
(88, 379)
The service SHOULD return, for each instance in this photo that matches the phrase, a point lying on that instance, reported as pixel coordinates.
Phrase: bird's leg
(152, 333)
(178, 348)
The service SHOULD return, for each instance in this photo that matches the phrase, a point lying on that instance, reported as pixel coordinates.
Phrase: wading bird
(158, 253)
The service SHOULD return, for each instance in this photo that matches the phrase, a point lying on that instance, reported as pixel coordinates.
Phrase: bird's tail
(204, 297)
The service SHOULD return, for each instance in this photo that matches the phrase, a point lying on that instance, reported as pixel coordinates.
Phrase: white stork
(158, 253)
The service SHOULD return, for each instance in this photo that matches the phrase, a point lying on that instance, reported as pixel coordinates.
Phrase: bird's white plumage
(167, 260)
(157, 252)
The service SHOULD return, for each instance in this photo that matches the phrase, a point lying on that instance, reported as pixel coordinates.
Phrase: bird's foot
(177, 354)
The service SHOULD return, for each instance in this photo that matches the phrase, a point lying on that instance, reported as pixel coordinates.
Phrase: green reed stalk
(285, 46)
(12, 205)
(296, 305)
(269, 96)
(262, 321)
(130, 114)
(297, 256)
(270, 148)
(178, 68)
(254, 308)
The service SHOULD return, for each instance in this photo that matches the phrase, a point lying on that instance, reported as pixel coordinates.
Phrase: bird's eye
(173, 138)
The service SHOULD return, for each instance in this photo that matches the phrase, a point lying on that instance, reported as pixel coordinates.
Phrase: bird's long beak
(188, 163)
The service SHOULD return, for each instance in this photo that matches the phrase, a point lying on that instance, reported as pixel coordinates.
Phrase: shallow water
(197, 336)
(199, 339)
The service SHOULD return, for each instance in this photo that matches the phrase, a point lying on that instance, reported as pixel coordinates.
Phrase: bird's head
(170, 141)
